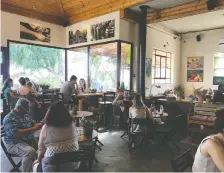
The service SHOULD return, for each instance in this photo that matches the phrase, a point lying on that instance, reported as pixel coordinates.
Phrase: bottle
(161, 109)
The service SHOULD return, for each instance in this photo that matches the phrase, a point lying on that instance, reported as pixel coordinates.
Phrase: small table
(81, 114)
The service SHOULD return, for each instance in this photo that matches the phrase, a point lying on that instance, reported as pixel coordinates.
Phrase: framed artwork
(103, 30)
(148, 67)
(79, 36)
(195, 63)
(195, 75)
(34, 32)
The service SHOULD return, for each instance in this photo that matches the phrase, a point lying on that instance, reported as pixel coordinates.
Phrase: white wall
(10, 30)
(156, 39)
(129, 32)
(87, 24)
(208, 45)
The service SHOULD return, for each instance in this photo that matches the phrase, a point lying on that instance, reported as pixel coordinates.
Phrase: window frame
(88, 48)
(155, 56)
(222, 76)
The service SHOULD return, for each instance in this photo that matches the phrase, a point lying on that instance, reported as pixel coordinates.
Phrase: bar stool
(106, 104)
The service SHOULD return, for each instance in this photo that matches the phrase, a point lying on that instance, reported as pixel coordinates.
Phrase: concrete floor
(115, 156)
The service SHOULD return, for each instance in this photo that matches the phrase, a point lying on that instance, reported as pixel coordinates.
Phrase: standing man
(19, 137)
(69, 88)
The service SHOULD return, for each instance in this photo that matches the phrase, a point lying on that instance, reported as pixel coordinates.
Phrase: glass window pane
(168, 81)
(125, 64)
(163, 62)
(163, 72)
(157, 72)
(103, 66)
(77, 63)
(153, 72)
(219, 72)
(41, 64)
(158, 52)
(167, 73)
(153, 60)
(168, 63)
(158, 61)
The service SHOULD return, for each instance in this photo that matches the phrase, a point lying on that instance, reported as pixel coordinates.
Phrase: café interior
(112, 85)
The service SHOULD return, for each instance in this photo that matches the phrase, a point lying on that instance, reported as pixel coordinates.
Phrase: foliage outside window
(43, 65)
(78, 63)
(161, 67)
(125, 64)
(103, 67)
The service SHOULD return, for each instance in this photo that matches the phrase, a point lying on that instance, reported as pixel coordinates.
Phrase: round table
(81, 114)
(105, 103)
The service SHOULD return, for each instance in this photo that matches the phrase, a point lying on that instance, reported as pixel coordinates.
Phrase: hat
(23, 103)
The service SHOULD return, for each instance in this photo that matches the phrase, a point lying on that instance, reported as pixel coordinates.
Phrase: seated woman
(139, 110)
(25, 92)
(8, 94)
(58, 135)
(210, 154)
(82, 85)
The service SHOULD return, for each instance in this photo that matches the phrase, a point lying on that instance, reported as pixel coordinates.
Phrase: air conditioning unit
(221, 43)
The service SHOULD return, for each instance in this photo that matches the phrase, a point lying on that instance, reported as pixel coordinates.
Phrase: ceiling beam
(105, 9)
(31, 14)
(130, 15)
(181, 11)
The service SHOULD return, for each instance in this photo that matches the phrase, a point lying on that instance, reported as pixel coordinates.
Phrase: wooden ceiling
(65, 12)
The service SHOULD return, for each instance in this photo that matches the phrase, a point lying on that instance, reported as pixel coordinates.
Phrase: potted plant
(122, 87)
(199, 94)
(44, 85)
(179, 91)
(87, 126)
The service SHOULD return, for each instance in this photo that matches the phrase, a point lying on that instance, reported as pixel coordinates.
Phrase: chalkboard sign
(218, 80)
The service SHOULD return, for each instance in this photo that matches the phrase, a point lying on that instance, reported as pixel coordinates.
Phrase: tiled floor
(115, 156)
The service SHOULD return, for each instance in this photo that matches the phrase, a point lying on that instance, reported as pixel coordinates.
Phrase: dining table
(80, 114)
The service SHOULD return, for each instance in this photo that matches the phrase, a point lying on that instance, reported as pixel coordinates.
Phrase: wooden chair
(182, 162)
(86, 154)
(8, 155)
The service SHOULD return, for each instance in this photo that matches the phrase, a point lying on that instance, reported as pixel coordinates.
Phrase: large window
(78, 62)
(125, 64)
(103, 66)
(218, 75)
(44, 65)
(161, 67)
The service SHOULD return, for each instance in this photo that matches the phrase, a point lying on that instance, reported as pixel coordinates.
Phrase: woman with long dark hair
(210, 154)
(8, 94)
(58, 135)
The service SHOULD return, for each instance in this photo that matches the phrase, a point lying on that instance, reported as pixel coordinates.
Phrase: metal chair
(182, 162)
(8, 155)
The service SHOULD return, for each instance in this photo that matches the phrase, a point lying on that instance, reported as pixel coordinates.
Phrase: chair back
(48, 95)
(137, 121)
(87, 154)
(183, 161)
(60, 97)
(109, 96)
(177, 123)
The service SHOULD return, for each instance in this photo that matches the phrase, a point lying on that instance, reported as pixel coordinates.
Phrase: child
(30, 86)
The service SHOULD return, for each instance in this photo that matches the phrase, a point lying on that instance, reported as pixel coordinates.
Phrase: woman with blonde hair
(210, 154)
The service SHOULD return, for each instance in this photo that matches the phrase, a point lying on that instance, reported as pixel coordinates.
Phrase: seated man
(123, 101)
(219, 96)
(18, 134)
(68, 88)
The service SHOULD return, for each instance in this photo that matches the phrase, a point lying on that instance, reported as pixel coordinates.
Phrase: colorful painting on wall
(80, 36)
(34, 32)
(195, 63)
(195, 75)
(103, 30)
